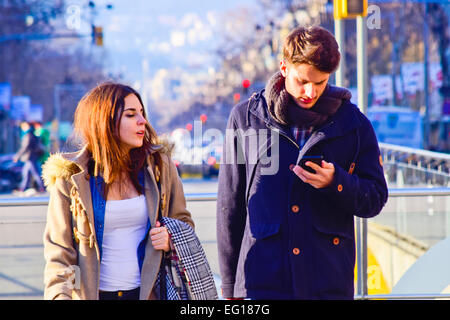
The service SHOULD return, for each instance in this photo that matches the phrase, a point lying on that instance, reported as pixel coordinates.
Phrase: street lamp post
(426, 31)
(339, 31)
(349, 9)
(361, 32)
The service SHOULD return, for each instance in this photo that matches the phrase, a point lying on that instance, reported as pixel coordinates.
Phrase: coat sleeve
(231, 208)
(59, 251)
(365, 192)
(177, 203)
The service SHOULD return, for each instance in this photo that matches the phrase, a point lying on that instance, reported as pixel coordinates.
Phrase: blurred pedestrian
(44, 135)
(30, 151)
(289, 233)
(104, 202)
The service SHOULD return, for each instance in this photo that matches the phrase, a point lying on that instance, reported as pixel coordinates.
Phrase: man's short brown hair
(313, 45)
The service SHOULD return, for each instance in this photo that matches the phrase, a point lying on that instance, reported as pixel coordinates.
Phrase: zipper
(314, 139)
(287, 137)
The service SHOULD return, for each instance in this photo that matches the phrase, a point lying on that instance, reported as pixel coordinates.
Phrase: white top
(125, 226)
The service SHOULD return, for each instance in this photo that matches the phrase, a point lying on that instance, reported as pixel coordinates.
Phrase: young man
(284, 232)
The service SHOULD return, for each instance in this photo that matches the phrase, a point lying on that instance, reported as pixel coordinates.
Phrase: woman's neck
(122, 188)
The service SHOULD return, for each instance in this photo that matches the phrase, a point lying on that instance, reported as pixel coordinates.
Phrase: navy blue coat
(278, 237)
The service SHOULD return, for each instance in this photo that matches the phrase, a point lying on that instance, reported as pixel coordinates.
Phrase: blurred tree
(251, 41)
(440, 29)
(33, 65)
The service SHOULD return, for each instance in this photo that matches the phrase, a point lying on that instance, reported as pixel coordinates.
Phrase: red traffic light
(237, 97)
(189, 127)
(246, 83)
(203, 118)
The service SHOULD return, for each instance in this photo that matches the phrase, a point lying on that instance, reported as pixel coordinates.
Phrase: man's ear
(283, 67)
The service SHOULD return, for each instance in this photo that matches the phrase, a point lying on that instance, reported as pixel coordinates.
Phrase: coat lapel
(151, 196)
(344, 121)
(152, 259)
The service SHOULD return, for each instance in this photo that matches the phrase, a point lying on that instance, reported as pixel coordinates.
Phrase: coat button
(295, 209)
(336, 241)
(296, 251)
(291, 167)
(340, 187)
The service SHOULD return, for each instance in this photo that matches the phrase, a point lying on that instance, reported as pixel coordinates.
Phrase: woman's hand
(322, 178)
(160, 237)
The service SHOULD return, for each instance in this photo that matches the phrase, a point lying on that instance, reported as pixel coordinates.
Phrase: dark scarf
(284, 110)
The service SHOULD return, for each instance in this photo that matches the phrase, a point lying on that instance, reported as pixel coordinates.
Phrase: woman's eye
(130, 115)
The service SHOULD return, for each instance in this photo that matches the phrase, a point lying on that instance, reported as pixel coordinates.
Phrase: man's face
(304, 82)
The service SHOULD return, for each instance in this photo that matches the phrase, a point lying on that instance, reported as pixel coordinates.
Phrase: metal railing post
(361, 256)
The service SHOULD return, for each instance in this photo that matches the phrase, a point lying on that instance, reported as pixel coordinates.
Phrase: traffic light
(245, 85)
(236, 97)
(97, 36)
(203, 118)
(349, 9)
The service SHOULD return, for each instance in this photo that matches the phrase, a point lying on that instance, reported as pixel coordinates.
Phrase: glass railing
(407, 245)
(401, 254)
(408, 167)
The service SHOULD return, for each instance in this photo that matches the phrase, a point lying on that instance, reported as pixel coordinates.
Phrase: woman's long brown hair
(97, 120)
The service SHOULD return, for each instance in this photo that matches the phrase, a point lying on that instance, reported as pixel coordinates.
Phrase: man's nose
(310, 90)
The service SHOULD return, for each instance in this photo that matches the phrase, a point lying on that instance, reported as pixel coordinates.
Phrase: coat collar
(152, 194)
(344, 120)
(257, 106)
(81, 182)
(79, 176)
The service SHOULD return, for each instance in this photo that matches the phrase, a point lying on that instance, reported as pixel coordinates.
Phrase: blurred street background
(193, 60)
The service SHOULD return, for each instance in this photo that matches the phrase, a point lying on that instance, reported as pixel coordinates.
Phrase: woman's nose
(142, 119)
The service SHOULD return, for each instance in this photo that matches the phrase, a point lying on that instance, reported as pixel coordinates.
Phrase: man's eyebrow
(304, 80)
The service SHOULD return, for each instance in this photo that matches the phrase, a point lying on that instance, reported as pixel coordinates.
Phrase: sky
(165, 33)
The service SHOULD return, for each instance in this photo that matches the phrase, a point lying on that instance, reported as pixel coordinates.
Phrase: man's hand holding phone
(315, 171)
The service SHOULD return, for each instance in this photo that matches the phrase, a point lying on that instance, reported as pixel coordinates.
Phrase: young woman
(102, 239)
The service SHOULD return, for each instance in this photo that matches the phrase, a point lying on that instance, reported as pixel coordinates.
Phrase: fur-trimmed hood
(58, 165)
(64, 165)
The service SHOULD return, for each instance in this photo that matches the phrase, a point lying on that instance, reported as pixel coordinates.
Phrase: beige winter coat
(71, 250)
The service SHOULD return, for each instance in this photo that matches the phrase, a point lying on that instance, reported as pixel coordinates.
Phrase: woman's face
(132, 123)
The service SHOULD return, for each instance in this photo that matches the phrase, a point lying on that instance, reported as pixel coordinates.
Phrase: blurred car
(211, 165)
(397, 125)
(196, 159)
(10, 173)
(208, 168)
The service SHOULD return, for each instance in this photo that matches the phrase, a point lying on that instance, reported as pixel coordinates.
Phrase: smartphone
(316, 159)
